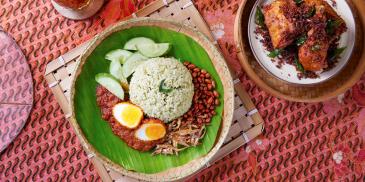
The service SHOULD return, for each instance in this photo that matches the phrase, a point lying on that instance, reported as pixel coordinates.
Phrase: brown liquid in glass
(73, 4)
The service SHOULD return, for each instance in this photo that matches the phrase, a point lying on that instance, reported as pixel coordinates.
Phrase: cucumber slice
(153, 50)
(116, 70)
(118, 54)
(131, 44)
(132, 63)
(110, 83)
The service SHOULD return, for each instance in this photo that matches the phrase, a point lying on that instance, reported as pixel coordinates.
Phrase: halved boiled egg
(151, 131)
(127, 114)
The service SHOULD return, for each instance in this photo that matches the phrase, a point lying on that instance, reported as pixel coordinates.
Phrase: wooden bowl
(345, 79)
(177, 172)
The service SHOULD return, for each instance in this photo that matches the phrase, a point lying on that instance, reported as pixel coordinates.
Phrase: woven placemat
(247, 121)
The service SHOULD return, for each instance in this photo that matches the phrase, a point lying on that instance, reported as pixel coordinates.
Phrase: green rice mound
(163, 88)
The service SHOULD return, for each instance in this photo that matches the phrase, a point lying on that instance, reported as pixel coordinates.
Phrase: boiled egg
(150, 131)
(127, 114)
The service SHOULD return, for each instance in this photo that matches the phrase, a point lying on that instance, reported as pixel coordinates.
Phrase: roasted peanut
(216, 102)
(205, 97)
(215, 93)
(191, 66)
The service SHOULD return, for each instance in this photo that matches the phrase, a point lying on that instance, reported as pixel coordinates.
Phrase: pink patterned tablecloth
(306, 142)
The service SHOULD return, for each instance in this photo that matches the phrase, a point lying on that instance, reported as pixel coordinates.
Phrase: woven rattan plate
(222, 70)
(247, 122)
(320, 92)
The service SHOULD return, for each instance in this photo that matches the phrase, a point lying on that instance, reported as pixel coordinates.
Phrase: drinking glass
(73, 4)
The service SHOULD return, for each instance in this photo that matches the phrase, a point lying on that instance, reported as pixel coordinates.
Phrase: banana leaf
(99, 133)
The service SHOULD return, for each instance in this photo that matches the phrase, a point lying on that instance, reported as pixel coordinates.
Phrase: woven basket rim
(217, 59)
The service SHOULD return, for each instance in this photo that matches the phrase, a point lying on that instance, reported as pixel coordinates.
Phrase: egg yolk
(155, 131)
(131, 115)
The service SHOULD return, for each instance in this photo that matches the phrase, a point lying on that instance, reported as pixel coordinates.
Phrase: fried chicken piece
(321, 4)
(313, 53)
(281, 29)
(322, 7)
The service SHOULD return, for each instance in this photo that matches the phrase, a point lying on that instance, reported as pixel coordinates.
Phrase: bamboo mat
(247, 122)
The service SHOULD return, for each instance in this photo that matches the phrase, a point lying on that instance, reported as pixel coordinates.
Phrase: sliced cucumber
(116, 70)
(118, 54)
(131, 44)
(111, 84)
(132, 63)
(153, 50)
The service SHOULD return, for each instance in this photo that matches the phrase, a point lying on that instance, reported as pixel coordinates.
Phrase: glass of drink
(77, 9)
(73, 4)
